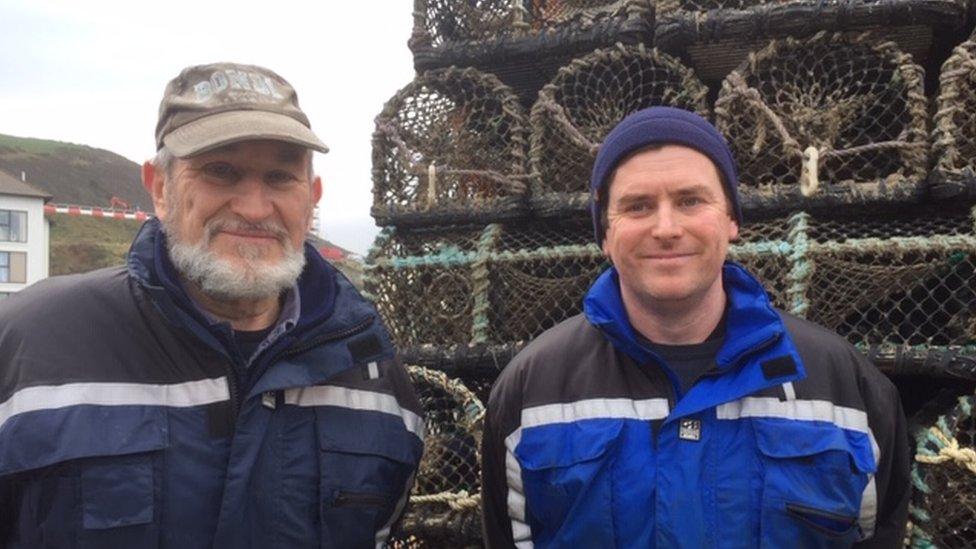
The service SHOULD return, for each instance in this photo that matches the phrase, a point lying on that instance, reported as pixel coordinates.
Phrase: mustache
(270, 227)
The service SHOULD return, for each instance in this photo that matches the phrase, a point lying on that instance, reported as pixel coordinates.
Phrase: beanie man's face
(668, 226)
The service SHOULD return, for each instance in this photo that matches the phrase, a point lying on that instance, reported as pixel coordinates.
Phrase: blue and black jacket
(791, 439)
(128, 420)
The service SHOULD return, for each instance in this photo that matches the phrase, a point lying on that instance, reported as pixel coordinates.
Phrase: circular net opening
(452, 139)
(954, 136)
(860, 105)
(588, 97)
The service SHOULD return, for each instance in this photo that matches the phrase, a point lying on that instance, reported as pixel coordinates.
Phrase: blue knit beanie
(661, 125)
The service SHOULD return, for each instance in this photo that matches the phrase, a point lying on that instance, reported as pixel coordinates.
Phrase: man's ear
(733, 230)
(154, 181)
(316, 190)
(316, 194)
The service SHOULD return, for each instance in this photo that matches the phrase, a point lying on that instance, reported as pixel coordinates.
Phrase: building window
(13, 226)
(13, 267)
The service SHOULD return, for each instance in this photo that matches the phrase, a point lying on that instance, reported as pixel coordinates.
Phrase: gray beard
(224, 280)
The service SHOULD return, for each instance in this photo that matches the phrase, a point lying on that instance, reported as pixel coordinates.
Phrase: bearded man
(226, 387)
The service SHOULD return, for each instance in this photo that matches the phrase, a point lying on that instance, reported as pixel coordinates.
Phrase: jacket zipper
(327, 338)
(232, 387)
(349, 499)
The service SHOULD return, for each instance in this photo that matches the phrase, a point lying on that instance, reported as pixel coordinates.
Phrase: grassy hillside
(80, 244)
(74, 174)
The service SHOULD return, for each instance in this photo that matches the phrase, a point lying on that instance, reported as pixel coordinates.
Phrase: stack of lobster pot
(854, 127)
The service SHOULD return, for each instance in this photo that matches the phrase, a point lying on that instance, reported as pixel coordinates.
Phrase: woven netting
(826, 121)
(763, 248)
(423, 284)
(585, 100)
(450, 25)
(538, 275)
(943, 510)
(716, 35)
(901, 288)
(481, 294)
(954, 134)
(449, 147)
(445, 502)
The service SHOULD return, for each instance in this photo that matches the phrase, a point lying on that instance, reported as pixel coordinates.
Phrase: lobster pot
(424, 284)
(522, 42)
(826, 122)
(449, 147)
(943, 508)
(444, 508)
(954, 135)
(585, 100)
(716, 35)
(539, 274)
(892, 284)
(764, 249)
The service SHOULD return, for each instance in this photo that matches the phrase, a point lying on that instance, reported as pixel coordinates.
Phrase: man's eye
(279, 178)
(220, 171)
(689, 201)
(637, 208)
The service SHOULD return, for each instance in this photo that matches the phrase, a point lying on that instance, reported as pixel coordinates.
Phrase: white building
(24, 235)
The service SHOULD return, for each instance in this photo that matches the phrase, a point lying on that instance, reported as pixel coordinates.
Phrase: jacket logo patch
(780, 366)
(690, 429)
(371, 371)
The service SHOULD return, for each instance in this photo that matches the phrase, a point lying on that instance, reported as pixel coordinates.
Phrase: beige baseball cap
(209, 106)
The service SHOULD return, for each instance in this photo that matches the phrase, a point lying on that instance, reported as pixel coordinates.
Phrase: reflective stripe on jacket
(126, 421)
(792, 439)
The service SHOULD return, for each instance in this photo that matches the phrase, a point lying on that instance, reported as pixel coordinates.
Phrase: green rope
(802, 268)
(480, 279)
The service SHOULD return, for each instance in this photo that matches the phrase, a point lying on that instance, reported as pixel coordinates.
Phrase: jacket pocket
(814, 477)
(118, 501)
(567, 478)
(101, 492)
(365, 465)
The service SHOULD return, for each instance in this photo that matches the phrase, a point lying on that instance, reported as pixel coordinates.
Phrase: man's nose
(251, 200)
(666, 223)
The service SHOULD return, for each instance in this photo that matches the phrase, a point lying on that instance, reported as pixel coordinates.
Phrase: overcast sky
(93, 72)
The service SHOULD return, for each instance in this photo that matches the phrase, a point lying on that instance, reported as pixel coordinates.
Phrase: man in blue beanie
(681, 409)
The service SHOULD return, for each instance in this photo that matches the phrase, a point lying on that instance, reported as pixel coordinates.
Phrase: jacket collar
(753, 327)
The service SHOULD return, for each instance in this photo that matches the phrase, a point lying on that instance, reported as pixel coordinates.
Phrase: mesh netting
(444, 504)
(943, 510)
(440, 22)
(826, 121)
(585, 100)
(913, 286)
(423, 285)
(954, 135)
(484, 293)
(903, 289)
(452, 24)
(538, 276)
(716, 35)
(449, 147)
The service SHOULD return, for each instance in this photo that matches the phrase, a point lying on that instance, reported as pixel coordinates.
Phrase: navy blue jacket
(791, 439)
(129, 420)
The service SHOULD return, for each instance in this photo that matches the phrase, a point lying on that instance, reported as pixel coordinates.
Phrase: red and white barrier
(95, 211)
